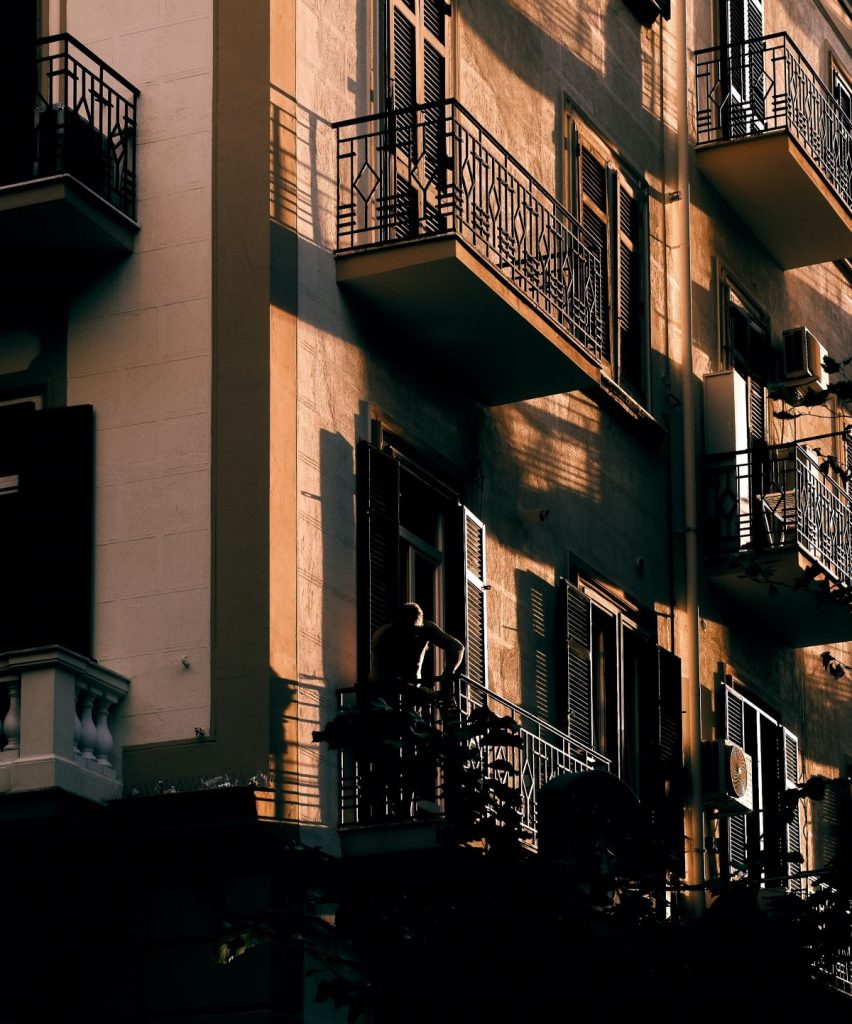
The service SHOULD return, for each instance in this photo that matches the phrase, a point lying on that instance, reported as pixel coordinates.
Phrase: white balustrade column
(88, 729)
(103, 737)
(12, 721)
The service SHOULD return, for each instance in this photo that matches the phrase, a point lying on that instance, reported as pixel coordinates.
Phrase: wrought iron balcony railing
(432, 170)
(765, 85)
(779, 498)
(544, 753)
(83, 124)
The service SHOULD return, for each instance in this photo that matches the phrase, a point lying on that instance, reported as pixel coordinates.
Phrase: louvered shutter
(18, 86)
(734, 713)
(661, 736)
(757, 82)
(792, 826)
(593, 211)
(377, 512)
(416, 48)
(475, 636)
(576, 614)
(630, 285)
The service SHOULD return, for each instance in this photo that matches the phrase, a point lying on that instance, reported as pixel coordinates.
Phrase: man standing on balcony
(399, 647)
(396, 777)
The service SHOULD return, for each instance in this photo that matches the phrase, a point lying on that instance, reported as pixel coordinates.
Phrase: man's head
(410, 614)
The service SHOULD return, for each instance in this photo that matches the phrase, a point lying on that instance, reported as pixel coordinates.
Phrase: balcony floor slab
(461, 316)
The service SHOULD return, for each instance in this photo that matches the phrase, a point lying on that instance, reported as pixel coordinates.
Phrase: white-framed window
(764, 843)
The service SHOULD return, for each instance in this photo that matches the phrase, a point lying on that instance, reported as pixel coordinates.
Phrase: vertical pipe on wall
(694, 822)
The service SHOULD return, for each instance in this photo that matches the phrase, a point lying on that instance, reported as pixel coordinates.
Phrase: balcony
(774, 142)
(471, 262)
(68, 170)
(55, 730)
(542, 754)
(779, 540)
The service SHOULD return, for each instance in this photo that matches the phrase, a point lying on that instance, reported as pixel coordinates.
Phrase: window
(416, 542)
(746, 348)
(763, 841)
(611, 204)
(47, 507)
(621, 698)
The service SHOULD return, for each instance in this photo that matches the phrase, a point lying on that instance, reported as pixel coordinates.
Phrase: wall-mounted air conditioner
(727, 777)
(803, 357)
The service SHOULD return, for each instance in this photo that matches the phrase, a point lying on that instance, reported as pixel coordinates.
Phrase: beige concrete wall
(608, 491)
(139, 350)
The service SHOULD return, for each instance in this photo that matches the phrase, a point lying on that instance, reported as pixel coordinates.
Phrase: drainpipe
(691, 692)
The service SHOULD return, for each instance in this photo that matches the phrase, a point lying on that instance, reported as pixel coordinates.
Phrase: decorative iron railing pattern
(432, 170)
(84, 123)
(775, 498)
(765, 85)
(544, 754)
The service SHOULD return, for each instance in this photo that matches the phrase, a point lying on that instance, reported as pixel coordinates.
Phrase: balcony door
(741, 32)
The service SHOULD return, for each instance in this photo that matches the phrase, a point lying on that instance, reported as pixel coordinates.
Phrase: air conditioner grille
(738, 768)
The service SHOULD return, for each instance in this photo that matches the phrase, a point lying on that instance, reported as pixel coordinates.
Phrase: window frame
(620, 178)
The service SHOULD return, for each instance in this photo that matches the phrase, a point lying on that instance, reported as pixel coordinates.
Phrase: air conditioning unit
(803, 357)
(727, 773)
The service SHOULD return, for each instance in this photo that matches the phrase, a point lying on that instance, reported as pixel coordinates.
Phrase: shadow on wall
(536, 621)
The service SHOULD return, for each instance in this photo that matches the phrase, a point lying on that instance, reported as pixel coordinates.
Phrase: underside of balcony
(791, 613)
(462, 318)
(781, 196)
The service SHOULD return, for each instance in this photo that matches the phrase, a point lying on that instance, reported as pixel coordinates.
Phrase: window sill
(625, 406)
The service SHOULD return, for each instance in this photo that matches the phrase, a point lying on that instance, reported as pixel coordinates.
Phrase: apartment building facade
(516, 310)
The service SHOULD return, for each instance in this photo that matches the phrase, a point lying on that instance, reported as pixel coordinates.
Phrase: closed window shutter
(630, 286)
(475, 639)
(417, 57)
(594, 217)
(402, 60)
(757, 83)
(576, 613)
(734, 712)
(671, 795)
(54, 511)
(792, 826)
(377, 512)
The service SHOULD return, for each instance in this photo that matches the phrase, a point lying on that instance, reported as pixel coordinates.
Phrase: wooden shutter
(576, 615)
(742, 21)
(48, 525)
(593, 212)
(790, 777)
(18, 83)
(734, 717)
(475, 636)
(669, 812)
(416, 66)
(377, 511)
(630, 287)
(757, 82)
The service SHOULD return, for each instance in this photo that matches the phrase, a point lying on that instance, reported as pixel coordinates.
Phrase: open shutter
(668, 814)
(48, 464)
(734, 715)
(378, 545)
(790, 776)
(756, 48)
(631, 289)
(475, 636)
(576, 613)
(742, 26)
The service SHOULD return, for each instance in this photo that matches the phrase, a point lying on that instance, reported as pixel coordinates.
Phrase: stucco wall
(139, 351)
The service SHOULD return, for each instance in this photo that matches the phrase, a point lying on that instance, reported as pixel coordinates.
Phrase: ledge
(625, 406)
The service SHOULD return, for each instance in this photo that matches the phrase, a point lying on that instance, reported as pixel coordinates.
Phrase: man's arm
(452, 648)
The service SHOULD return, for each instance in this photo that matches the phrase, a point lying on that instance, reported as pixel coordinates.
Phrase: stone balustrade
(55, 723)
